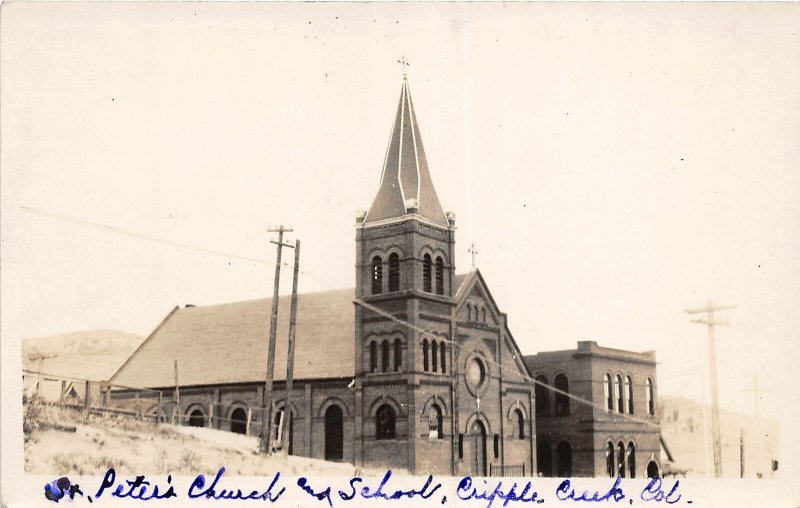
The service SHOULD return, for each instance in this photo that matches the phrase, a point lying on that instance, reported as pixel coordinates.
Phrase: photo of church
(415, 368)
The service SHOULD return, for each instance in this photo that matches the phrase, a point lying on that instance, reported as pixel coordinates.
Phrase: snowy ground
(133, 447)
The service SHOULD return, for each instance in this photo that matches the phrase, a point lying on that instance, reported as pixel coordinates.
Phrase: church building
(414, 368)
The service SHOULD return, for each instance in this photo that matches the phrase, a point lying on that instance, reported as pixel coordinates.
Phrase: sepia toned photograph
(355, 254)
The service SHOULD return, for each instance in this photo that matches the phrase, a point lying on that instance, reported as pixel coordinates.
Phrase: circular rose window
(476, 373)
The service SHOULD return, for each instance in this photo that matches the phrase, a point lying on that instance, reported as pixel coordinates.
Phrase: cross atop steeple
(405, 65)
(474, 251)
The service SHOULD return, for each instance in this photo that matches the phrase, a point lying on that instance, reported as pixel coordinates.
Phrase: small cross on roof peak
(405, 65)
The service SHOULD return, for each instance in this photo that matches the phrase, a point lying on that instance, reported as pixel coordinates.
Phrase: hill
(94, 354)
(688, 438)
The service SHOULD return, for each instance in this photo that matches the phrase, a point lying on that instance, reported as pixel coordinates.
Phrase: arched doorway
(564, 456)
(478, 432)
(334, 433)
(544, 459)
(652, 469)
(239, 421)
(197, 419)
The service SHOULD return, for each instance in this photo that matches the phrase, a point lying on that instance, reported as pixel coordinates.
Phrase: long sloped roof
(405, 173)
(227, 343)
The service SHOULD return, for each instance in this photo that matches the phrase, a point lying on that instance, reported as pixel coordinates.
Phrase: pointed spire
(406, 185)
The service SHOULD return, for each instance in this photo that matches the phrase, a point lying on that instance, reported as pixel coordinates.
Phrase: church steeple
(406, 186)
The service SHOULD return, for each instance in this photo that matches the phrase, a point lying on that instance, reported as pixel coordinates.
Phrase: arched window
(483, 315)
(385, 356)
(631, 461)
(607, 392)
(384, 422)
(435, 422)
(469, 312)
(651, 405)
(519, 424)
(564, 456)
(562, 399)
(373, 356)
(434, 354)
(542, 395)
(621, 460)
(442, 352)
(652, 470)
(427, 265)
(394, 272)
(439, 276)
(610, 469)
(425, 355)
(377, 275)
(544, 459)
(239, 421)
(629, 394)
(197, 418)
(398, 354)
(618, 389)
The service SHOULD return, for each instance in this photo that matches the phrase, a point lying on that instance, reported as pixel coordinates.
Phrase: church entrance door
(334, 433)
(478, 432)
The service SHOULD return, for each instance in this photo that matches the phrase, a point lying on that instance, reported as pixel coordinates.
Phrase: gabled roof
(227, 343)
(464, 284)
(405, 175)
(467, 281)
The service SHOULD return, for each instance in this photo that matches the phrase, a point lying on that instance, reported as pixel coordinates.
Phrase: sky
(613, 163)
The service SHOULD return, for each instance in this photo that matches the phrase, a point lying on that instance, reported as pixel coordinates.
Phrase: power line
(132, 234)
(454, 344)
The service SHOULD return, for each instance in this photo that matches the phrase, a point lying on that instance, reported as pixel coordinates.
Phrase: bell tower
(405, 289)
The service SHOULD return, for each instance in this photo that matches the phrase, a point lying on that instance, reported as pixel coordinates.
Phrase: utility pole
(287, 408)
(266, 424)
(37, 356)
(741, 453)
(709, 321)
(175, 416)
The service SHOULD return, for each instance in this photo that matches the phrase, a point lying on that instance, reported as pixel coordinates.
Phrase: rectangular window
(497, 446)
(461, 446)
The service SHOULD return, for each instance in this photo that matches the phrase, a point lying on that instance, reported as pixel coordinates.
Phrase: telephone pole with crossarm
(711, 322)
(266, 402)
